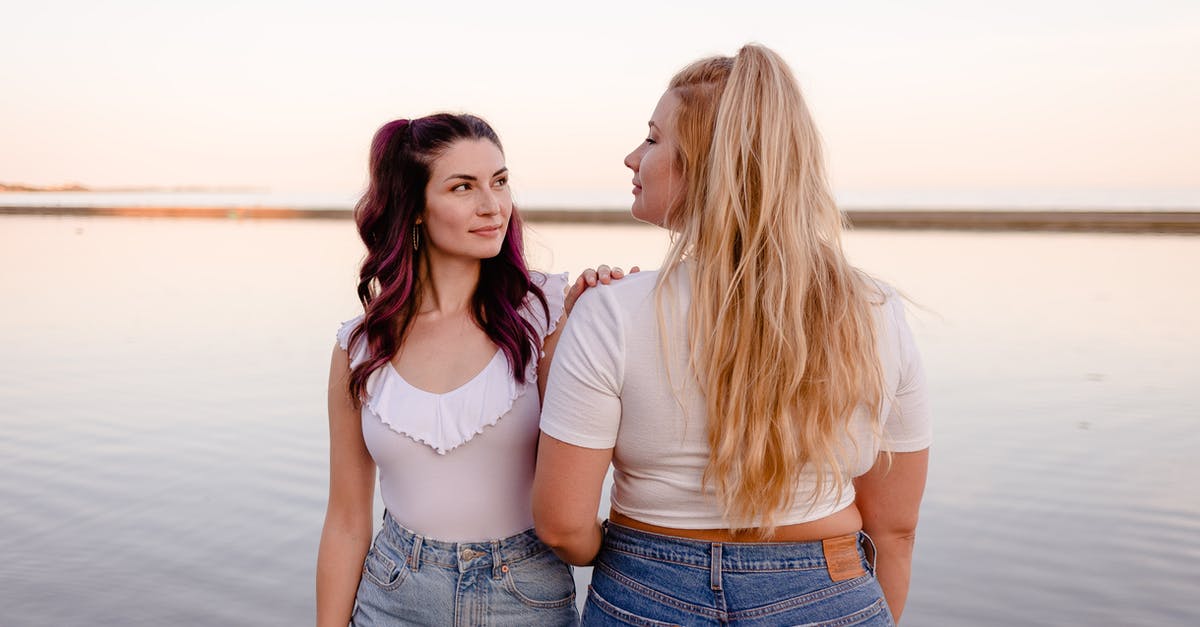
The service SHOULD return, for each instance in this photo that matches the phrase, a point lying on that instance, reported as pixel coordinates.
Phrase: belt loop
(714, 571)
(498, 566)
(414, 557)
(874, 553)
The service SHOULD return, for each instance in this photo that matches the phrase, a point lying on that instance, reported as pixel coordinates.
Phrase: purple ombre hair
(401, 159)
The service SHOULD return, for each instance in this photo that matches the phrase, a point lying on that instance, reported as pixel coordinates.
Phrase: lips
(487, 230)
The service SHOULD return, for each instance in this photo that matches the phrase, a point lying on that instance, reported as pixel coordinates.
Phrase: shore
(1150, 221)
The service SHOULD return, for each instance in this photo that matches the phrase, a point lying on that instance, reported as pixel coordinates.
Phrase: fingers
(606, 275)
(573, 294)
(591, 277)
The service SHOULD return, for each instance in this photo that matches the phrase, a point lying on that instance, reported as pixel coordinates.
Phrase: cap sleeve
(909, 424)
(554, 288)
(359, 354)
(583, 397)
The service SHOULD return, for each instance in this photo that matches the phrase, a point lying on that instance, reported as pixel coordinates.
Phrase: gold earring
(416, 239)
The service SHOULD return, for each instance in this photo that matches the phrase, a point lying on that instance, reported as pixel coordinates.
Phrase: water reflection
(163, 426)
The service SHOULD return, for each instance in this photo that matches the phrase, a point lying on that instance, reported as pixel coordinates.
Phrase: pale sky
(286, 95)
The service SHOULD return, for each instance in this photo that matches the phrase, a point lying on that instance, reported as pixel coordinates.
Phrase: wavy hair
(781, 327)
(390, 281)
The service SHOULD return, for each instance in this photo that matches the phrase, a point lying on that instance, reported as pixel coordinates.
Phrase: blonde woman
(760, 399)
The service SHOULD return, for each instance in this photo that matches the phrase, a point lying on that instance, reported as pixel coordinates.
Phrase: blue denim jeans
(413, 580)
(648, 579)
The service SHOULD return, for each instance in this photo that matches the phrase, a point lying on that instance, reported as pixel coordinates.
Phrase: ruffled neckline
(448, 420)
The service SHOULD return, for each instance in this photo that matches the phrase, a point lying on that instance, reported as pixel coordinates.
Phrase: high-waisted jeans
(652, 580)
(413, 580)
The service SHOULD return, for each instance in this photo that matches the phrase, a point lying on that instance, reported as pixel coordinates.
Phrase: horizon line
(974, 219)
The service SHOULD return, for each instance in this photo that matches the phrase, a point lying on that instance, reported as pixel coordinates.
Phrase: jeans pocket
(382, 571)
(836, 606)
(599, 611)
(541, 582)
(874, 615)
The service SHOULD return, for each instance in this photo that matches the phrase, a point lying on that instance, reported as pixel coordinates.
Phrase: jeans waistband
(733, 556)
(462, 556)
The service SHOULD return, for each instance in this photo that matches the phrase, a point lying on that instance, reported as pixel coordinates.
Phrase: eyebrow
(468, 177)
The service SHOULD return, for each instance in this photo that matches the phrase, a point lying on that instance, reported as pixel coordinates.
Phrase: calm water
(163, 436)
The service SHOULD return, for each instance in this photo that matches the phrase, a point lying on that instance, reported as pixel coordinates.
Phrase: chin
(649, 217)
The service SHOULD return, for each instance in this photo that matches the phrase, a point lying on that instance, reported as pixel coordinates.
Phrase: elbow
(553, 523)
(556, 534)
(904, 538)
(900, 538)
(568, 540)
(900, 530)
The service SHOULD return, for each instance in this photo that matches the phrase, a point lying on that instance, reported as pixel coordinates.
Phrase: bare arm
(346, 536)
(889, 497)
(566, 497)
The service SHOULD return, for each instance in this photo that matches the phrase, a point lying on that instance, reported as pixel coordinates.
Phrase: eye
(500, 182)
(461, 187)
(650, 140)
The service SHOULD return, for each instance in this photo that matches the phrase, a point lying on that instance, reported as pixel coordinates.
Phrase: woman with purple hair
(434, 385)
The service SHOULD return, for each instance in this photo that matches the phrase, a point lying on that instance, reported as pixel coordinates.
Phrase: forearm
(889, 499)
(339, 568)
(893, 567)
(578, 547)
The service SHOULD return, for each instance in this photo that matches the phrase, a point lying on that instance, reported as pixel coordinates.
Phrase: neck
(449, 284)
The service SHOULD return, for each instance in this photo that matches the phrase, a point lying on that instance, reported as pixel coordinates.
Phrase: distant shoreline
(1073, 220)
(72, 188)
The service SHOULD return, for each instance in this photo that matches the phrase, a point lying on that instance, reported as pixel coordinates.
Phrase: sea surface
(163, 438)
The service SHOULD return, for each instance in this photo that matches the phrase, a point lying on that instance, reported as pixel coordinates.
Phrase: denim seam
(731, 563)
(658, 558)
(658, 596)
(525, 557)
(400, 574)
(773, 570)
(603, 605)
(815, 565)
(802, 600)
(860, 616)
(511, 586)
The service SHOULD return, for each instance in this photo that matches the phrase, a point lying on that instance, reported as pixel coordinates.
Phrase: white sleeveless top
(458, 466)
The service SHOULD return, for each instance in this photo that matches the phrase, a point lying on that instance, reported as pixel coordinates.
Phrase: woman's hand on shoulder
(591, 277)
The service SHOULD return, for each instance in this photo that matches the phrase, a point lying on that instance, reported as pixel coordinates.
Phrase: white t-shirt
(609, 388)
(458, 466)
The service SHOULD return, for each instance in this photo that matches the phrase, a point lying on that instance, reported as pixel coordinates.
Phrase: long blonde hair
(780, 325)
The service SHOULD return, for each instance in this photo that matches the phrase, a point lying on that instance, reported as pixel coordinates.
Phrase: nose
(634, 159)
(490, 205)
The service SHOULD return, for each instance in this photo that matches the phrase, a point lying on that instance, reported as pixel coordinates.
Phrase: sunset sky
(285, 95)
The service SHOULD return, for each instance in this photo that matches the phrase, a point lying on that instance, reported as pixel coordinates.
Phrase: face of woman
(657, 181)
(467, 202)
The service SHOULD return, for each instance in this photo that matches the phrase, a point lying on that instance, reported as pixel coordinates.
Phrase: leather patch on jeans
(841, 557)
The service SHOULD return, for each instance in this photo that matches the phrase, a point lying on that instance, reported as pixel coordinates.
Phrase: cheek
(665, 179)
(442, 218)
